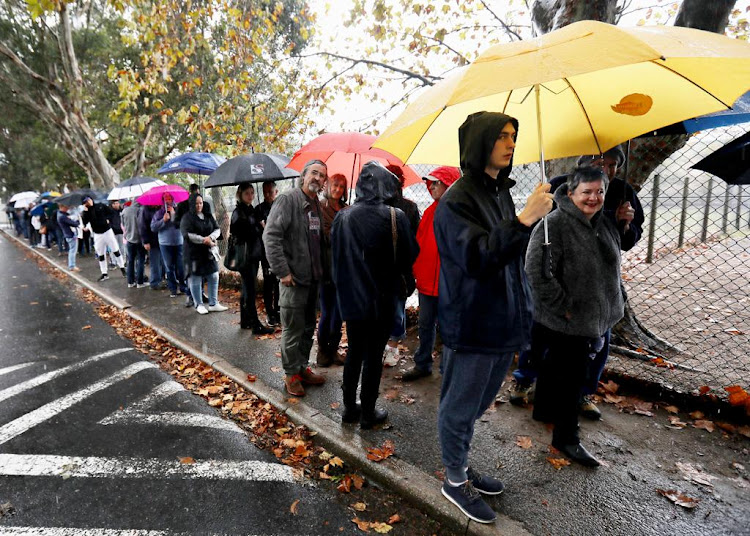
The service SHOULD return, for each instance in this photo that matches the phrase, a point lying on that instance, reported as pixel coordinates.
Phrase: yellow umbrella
(590, 85)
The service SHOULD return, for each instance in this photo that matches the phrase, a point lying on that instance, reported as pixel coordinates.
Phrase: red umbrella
(154, 195)
(346, 153)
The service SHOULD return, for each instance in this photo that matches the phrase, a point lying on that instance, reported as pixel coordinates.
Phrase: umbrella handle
(547, 260)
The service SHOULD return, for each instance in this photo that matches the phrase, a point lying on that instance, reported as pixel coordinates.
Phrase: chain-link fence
(688, 279)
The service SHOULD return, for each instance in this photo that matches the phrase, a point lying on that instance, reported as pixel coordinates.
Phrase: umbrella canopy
(590, 86)
(75, 198)
(730, 163)
(739, 113)
(39, 209)
(199, 163)
(50, 194)
(346, 153)
(154, 195)
(22, 199)
(255, 167)
(134, 187)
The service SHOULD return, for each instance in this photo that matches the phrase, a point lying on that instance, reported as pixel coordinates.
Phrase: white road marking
(44, 378)
(136, 413)
(39, 415)
(96, 467)
(8, 370)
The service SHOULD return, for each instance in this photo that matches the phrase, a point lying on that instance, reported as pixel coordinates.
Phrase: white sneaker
(217, 308)
(391, 356)
(131, 285)
(202, 309)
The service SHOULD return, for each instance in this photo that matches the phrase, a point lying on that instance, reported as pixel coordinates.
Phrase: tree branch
(507, 28)
(427, 80)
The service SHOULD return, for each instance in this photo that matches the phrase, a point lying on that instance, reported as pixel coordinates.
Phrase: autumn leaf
(744, 430)
(675, 422)
(357, 481)
(276, 369)
(381, 453)
(187, 460)
(359, 507)
(336, 462)
(335, 405)
(696, 415)
(703, 389)
(524, 442)
(679, 498)
(671, 409)
(293, 507)
(704, 424)
(610, 387)
(558, 463)
(737, 395)
(345, 486)
(613, 399)
(85, 327)
(34, 303)
(251, 377)
(381, 528)
(364, 526)
(395, 518)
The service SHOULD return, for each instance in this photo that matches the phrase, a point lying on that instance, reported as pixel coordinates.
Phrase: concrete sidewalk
(641, 453)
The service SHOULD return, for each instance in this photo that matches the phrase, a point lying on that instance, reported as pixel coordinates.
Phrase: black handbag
(236, 258)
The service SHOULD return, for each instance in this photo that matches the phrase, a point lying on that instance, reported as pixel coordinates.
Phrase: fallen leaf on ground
(85, 327)
(744, 430)
(558, 463)
(293, 507)
(378, 454)
(733, 331)
(613, 399)
(395, 518)
(381, 528)
(336, 462)
(678, 498)
(275, 369)
(362, 525)
(7, 509)
(671, 409)
(34, 303)
(737, 395)
(187, 460)
(696, 415)
(335, 405)
(345, 486)
(610, 387)
(727, 427)
(703, 389)
(676, 422)
(251, 377)
(357, 481)
(708, 426)
(524, 442)
(695, 474)
(359, 507)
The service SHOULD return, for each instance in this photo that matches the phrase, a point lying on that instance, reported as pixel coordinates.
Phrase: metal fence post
(704, 232)
(683, 216)
(652, 219)
(739, 206)
(725, 214)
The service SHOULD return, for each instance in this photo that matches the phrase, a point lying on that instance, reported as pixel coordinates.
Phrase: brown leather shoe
(324, 359)
(339, 359)
(293, 385)
(310, 378)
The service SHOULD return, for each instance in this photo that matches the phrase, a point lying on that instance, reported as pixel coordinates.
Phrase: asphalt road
(92, 435)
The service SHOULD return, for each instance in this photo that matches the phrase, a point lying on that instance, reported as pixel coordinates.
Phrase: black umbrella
(75, 198)
(730, 163)
(255, 167)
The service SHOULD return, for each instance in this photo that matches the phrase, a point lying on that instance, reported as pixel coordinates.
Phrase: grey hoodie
(584, 296)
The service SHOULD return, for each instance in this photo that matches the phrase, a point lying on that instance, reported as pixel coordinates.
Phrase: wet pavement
(640, 453)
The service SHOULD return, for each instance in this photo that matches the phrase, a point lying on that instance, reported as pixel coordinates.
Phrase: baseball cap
(86, 198)
(445, 174)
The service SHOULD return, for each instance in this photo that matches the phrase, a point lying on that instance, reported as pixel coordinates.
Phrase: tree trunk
(711, 16)
(548, 15)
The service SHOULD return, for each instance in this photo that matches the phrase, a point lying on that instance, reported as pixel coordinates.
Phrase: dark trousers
(156, 266)
(329, 325)
(248, 312)
(529, 360)
(270, 290)
(428, 310)
(562, 375)
(367, 340)
(470, 384)
(136, 263)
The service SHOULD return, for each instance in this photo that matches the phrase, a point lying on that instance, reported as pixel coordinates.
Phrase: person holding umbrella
(99, 217)
(69, 227)
(484, 301)
(577, 305)
(170, 244)
(246, 231)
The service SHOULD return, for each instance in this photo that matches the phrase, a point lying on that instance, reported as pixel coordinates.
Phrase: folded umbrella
(255, 167)
(154, 196)
(731, 163)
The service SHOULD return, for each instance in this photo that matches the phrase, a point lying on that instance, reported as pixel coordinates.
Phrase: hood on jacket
(376, 184)
(477, 137)
(191, 202)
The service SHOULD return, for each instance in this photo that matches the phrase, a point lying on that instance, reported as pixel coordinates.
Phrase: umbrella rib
(707, 92)
(424, 132)
(586, 115)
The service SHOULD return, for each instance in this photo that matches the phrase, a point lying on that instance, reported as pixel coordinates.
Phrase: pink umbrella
(346, 153)
(154, 195)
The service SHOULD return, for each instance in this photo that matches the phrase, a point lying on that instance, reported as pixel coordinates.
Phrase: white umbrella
(23, 199)
(134, 187)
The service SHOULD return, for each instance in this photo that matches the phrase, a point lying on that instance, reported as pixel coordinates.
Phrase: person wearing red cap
(427, 273)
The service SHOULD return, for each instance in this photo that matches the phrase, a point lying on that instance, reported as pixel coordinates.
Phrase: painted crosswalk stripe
(32, 465)
(8, 370)
(136, 413)
(39, 415)
(49, 376)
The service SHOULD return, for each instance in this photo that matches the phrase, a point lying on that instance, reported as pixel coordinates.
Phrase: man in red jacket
(427, 273)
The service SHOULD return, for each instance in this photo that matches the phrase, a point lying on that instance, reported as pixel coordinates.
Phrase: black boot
(371, 418)
(260, 329)
(351, 413)
(577, 453)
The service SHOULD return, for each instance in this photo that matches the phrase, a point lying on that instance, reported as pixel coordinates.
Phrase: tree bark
(711, 16)
(548, 15)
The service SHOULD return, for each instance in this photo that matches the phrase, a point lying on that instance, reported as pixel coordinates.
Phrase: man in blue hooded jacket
(484, 305)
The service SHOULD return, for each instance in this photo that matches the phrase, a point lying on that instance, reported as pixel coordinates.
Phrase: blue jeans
(529, 361)
(172, 256)
(72, 250)
(196, 288)
(399, 320)
(428, 310)
(329, 326)
(156, 266)
(59, 238)
(136, 262)
(470, 384)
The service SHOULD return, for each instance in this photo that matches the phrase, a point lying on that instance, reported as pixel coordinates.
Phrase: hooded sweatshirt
(583, 297)
(484, 297)
(365, 271)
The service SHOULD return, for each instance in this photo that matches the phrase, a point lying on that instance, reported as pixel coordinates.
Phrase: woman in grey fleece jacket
(576, 303)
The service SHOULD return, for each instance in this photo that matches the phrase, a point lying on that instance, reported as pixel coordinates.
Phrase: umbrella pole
(546, 253)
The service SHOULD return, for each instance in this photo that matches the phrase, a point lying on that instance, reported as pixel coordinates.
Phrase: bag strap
(394, 232)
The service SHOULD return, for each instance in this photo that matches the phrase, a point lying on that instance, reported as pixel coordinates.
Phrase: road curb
(405, 479)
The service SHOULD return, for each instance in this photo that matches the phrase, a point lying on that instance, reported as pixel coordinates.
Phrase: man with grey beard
(292, 240)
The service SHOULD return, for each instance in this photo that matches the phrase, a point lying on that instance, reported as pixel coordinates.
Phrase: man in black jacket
(484, 306)
(100, 218)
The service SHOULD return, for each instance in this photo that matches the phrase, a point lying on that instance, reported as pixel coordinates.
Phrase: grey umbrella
(255, 167)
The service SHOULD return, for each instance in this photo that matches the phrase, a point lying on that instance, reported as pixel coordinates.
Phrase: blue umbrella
(199, 163)
(37, 210)
(739, 113)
